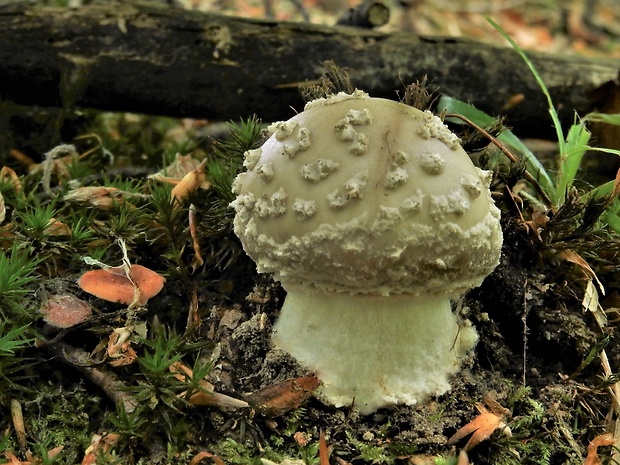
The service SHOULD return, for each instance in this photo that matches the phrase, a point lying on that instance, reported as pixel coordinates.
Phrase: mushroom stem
(373, 350)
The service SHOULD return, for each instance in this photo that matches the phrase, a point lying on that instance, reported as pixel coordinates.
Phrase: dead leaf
(193, 315)
(100, 197)
(462, 459)
(481, 428)
(601, 440)
(175, 171)
(13, 460)
(573, 257)
(207, 397)
(57, 228)
(420, 459)
(323, 451)
(119, 347)
(591, 304)
(99, 444)
(275, 401)
(2, 209)
(190, 183)
(64, 310)
(301, 438)
(197, 260)
(17, 417)
(114, 285)
(206, 455)
(344, 462)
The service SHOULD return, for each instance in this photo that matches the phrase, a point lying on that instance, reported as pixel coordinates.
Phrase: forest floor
(114, 385)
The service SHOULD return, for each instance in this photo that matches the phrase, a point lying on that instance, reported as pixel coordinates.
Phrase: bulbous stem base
(372, 350)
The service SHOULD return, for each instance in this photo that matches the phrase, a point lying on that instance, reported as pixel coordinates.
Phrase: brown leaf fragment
(57, 228)
(95, 196)
(601, 440)
(175, 171)
(323, 451)
(2, 209)
(100, 445)
(197, 260)
(343, 461)
(207, 397)
(10, 177)
(191, 182)
(481, 428)
(216, 399)
(119, 347)
(571, 256)
(275, 401)
(420, 459)
(18, 423)
(462, 459)
(206, 455)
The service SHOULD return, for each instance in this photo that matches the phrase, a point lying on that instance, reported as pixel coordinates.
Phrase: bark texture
(150, 59)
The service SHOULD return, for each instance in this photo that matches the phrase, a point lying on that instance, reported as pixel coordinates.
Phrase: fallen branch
(149, 59)
(109, 383)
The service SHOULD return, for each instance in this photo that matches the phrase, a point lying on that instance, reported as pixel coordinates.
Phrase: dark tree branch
(149, 59)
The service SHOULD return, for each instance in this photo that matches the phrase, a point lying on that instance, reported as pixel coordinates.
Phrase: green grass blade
(603, 118)
(541, 84)
(13, 340)
(613, 221)
(600, 191)
(533, 165)
(576, 147)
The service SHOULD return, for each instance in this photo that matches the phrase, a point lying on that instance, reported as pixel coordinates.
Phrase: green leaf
(541, 83)
(613, 221)
(603, 118)
(575, 148)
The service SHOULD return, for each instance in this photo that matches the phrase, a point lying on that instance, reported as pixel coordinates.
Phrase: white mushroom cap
(365, 195)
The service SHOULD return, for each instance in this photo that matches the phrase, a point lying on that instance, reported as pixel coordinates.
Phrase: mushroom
(114, 285)
(373, 218)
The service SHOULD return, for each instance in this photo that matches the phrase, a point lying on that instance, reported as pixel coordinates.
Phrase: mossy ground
(534, 332)
(539, 355)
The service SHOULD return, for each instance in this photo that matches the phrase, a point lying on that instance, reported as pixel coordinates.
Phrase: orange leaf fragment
(190, 183)
(323, 451)
(99, 444)
(9, 176)
(175, 171)
(114, 285)
(481, 428)
(57, 228)
(275, 401)
(13, 460)
(601, 440)
(197, 260)
(462, 459)
(206, 455)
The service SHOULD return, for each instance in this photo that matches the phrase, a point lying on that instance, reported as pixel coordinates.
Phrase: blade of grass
(532, 164)
(552, 111)
(603, 118)
(576, 147)
(613, 221)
